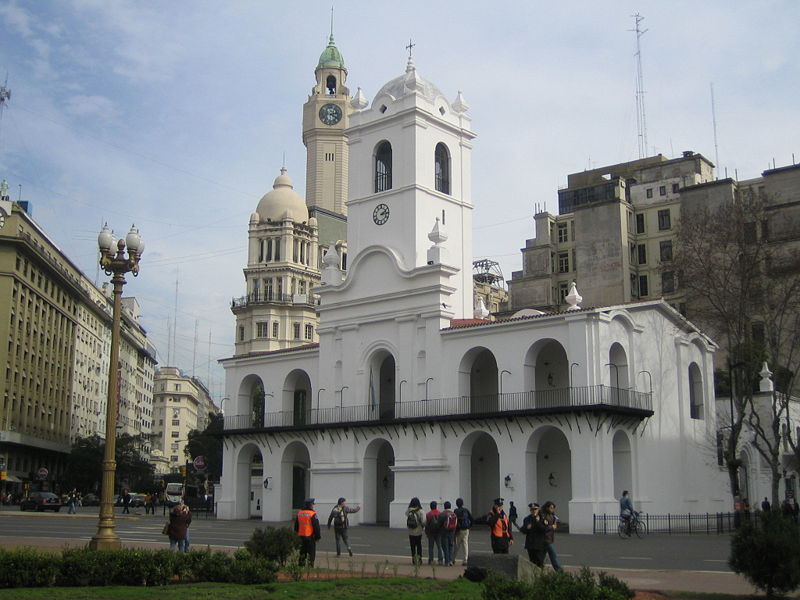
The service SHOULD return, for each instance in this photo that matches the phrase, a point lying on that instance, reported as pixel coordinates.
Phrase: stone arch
(618, 374)
(745, 481)
(546, 373)
(295, 475)
(378, 481)
(696, 395)
(623, 462)
(548, 469)
(250, 402)
(381, 368)
(478, 380)
(479, 471)
(296, 399)
(247, 487)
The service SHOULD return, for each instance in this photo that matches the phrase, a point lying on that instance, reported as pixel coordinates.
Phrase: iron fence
(588, 397)
(688, 523)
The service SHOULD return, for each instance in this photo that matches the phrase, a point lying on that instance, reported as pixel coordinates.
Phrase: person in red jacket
(306, 525)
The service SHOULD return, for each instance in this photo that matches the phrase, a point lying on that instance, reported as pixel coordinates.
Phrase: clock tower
(326, 116)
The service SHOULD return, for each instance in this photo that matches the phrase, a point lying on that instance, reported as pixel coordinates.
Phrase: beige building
(614, 235)
(182, 404)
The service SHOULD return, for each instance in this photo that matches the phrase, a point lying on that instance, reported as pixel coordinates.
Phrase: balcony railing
(270, 298)
(544, 401)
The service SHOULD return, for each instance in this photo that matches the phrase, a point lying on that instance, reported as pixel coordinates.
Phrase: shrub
(273, 543)
(768, 555)
(557, 585)
(27, 568)
(500, 587)
(615, 584)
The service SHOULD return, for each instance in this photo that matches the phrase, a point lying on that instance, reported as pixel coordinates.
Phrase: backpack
(432, 525)
(338, 517)
(464, 519)
(450, 521)
(412, 522)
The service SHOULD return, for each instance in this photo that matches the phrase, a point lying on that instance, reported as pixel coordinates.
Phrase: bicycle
(633, 525)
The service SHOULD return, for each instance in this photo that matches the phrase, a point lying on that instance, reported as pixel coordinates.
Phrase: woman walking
(550, 521)
(178, 530)
(415, 522)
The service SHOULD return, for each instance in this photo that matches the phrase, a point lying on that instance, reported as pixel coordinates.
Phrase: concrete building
(181, 404)
(614, 233)
(408, 394)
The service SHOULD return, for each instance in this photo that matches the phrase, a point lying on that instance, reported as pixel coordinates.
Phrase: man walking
(500, 528)
(341, 524)
(72, 502)
(462, 530)
(306, 525)
(432, 533)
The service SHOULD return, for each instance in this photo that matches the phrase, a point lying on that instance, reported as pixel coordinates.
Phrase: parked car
(137, 500)
(41, 501)
(90, 500)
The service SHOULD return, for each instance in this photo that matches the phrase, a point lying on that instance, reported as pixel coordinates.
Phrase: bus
(173, 494)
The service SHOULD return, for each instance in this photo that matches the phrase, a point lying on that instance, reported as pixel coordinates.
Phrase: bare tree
(741, 285)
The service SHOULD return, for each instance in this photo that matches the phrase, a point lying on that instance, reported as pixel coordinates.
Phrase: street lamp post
(503, 372)
(616, 373)
(571, 379)
(427, 381)
(115, 265)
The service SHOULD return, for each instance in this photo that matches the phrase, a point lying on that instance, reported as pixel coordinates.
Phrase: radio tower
(641, 119)
(5, 96)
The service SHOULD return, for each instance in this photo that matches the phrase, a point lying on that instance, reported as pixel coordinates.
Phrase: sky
(178, 115)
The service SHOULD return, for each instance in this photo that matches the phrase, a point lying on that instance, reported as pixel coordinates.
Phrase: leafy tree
(85, 463)
(767, 553)
(208, 443)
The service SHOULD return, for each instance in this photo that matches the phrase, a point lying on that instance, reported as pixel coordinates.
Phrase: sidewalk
(370, 564)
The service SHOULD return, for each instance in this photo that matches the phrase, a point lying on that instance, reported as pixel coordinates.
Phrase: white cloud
(95, 106)
(16, 17)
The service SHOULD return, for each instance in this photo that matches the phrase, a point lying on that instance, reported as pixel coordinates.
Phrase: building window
(173, 458)
(176, 422)
(563, 233)
(563, 290)
(666, 250)
(442, 169)
(664, 221)
(563, 262)
(675, 188)
(177, 387)
(649, 192)
(641, 251)
(667, 282)
(640, 223)
(262, 329)
(175, 434)
(643, 291)
(662, 190)
(296, 328)
(309, 332)
(241, 333)
(383, 167)
(275, 329)
(695, 392)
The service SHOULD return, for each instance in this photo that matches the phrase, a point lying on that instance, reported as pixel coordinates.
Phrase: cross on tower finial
(409, 47)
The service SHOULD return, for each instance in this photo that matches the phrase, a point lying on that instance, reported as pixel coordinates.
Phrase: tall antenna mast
(175, 323)
(641, 119)
(714, 121)
(5, 96)
(331, 20)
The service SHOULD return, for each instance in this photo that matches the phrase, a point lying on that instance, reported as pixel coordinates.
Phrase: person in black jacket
(534, 529)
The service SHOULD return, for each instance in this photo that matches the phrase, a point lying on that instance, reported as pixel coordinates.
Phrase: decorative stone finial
(438, 235)
(573, 298)
(766, 384)
(459, 104)
(359, 101)
(480, 311)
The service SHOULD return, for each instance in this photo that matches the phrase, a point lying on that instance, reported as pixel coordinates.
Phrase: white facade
(407, 395)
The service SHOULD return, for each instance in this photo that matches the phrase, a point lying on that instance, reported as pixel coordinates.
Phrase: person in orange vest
(306, 525)
(500, 528)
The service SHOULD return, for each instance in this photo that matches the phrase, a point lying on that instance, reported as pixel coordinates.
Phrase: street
(654, 552)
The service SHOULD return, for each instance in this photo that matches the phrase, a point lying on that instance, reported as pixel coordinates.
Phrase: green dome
(331, 58)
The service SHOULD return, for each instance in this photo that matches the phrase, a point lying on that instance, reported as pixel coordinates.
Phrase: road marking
(636, 557)
(719, 560)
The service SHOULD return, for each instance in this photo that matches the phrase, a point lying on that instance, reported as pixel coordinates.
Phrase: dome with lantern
(282, 202)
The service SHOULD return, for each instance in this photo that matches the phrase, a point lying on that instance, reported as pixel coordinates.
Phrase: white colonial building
(409, 392)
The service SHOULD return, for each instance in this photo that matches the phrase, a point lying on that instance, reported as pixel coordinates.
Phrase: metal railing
(270, 298)
(538, 401)
(682, 523)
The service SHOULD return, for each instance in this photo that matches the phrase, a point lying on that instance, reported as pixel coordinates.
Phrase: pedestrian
(447, 532)
(550, 521)
(341, 524)
(512, 514)
(180, 517)
(126, 502)
(534, 530)
(765, 505)
(415, 523)
(499, 528)
(72, 502)
(306, 524)
(432, 533)
(149, 504)
(462, 530)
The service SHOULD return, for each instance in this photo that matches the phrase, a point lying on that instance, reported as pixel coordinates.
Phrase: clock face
(330, 114)
(381, 214)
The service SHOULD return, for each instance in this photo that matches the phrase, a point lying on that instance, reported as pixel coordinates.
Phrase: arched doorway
(695, 392)
(478, 380)
(623, 463)
(295, 477)
(549, 469)
(249, 410)
(386, 388)
(378, 482)
(479, 471)
(247, 482)
(547, 374)
(618, 376)
(297, 397)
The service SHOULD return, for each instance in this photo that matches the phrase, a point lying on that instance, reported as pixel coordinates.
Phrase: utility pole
(641, 118)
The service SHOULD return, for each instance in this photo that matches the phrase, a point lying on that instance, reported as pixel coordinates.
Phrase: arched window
(383, 167)
(695, 392)
(330, 83)
(442, 169)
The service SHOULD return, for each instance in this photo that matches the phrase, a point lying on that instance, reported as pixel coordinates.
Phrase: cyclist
(626, 510)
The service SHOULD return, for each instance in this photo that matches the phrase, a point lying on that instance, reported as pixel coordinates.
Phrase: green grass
(399, 588)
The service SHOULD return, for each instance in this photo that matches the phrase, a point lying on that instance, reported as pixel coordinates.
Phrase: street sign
(42, 473)
(199, 463)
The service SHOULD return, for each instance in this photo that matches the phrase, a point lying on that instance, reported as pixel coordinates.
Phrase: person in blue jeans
(432, 533)
(550, 521)
(447, 535)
